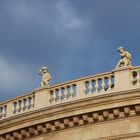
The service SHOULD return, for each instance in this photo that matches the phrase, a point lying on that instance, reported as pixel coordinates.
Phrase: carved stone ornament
(125, 59)
(46, 77)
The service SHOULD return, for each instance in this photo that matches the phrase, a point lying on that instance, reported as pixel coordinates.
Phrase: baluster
(103, 85)
(90, 87)
(20, 102)
(0, 112)
(3, 111)
(59, 94)
(132, 79)
(71, 91)
(17, 107)
(14, 107)
(109, 83)
(65, 92)
(96, 86)
(138, 77)
(32, 101)
(54, 96)
(51, 96)
(22, 105)
(84, 88)
(27, 103)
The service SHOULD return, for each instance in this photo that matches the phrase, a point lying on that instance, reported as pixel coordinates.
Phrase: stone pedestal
(42, 97)
(122, 78)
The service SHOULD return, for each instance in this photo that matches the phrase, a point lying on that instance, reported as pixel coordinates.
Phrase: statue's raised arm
(125, 59)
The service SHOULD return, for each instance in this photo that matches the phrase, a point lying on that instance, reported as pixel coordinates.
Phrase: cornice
(73, 121)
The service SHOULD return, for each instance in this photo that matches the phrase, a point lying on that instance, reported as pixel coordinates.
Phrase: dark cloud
(73, 38)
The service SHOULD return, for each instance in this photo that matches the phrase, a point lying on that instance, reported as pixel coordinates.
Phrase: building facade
(99, 107)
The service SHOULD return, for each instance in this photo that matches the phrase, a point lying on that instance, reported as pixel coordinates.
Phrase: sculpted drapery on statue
(46, 77)
(125, 58)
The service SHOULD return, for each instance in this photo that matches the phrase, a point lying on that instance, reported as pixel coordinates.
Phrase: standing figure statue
(46, 77)
(125, 58)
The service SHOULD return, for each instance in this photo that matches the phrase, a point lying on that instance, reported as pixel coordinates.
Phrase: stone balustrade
(62, 92)
(135, 76)
(99, 84)
(23, 104)
(81, 88)
(107, 83)
(17, 106)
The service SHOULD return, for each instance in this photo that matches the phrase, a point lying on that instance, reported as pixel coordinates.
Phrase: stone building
(99, 107)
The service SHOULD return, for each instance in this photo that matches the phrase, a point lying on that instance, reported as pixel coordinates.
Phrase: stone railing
(16, 106)
(81, 88)
(135, 76)
(107, 83)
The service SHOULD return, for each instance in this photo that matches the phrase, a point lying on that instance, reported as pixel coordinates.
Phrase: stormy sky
(73, 38)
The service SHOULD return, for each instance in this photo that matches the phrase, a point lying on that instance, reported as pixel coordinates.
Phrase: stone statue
(46, 77)
(125, 58)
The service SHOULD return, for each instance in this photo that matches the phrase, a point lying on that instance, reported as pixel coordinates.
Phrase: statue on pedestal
(125, 58)
(46, 77)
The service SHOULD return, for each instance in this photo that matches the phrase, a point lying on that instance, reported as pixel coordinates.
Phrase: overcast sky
(73, 38)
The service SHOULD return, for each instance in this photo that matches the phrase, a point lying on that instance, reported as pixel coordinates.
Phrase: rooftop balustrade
(82, 88)
(124, 77)
(120, 79)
